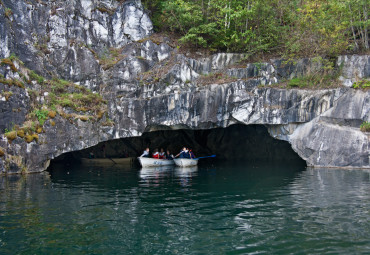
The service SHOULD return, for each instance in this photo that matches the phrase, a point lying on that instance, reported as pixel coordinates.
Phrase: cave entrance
(249, 143)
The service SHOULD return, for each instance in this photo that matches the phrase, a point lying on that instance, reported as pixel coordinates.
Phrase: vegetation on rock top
(363, 84)
(290, 28)
(365, 127)
(49, 98)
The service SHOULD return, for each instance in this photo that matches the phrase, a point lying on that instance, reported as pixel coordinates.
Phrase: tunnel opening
(248, 143)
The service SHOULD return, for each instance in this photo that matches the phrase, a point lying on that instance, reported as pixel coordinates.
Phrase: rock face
(61, 37)
(106, 46)
(354, 68)
(332, 139)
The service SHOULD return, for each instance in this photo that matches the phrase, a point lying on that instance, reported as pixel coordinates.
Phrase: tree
(289, 27)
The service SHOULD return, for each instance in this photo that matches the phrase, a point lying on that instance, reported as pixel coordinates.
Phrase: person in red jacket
(162, 154)
(156, 154)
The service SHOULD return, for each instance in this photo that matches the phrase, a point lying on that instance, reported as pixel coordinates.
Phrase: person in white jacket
(145, 153)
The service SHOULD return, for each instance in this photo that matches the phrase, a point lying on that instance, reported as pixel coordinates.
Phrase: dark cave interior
(249, 143)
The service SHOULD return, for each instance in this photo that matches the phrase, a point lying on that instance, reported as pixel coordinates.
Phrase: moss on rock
(11, 135)
(7, 61)
(20, 133)
(29, 138)
(84, 118)
(35, 137)
(52, 114)
(100, 114)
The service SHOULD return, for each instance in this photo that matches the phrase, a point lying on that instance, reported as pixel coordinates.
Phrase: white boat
(185, 162)
(150, 162)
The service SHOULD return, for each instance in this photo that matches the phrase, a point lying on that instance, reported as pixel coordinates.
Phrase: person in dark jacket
(184, 153)
(192, 155)
(169, 156)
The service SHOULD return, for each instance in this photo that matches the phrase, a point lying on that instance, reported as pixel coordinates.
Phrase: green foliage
(291, 27)
(12, 128)
(41, 115)
(35, 77)
(59, 86)
(13, 58)
(8, 12)
(11, 82)
(365, 126)
(296, 82)
(79, 101)
(364, 84)
(314, 81)
(324, 76)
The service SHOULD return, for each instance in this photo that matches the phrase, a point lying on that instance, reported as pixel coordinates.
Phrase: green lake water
(212, 209)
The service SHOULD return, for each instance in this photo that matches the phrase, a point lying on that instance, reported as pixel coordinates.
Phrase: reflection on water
(186, 172)
(154, 176)
(156, 172)
(234, 209)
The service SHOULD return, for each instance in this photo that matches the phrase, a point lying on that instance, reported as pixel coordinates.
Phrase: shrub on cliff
(293, 27)
(365, 127)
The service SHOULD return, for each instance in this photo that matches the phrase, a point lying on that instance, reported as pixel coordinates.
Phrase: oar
(212, 156)
(113, 161)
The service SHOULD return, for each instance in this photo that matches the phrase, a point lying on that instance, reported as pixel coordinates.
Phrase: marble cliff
(76, 73)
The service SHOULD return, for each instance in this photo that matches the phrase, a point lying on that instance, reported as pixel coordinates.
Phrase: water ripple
(233, 210)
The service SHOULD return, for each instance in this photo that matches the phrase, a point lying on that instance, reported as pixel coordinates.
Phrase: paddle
(113, 161)
(212, 156)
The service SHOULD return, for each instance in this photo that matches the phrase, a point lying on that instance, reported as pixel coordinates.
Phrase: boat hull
(154, 162)
(105, 161)
(185, 162)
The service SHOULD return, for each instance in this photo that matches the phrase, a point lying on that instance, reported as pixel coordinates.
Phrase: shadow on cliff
(251, 144)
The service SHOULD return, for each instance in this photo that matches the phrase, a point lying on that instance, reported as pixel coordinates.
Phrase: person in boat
(155, 154)
(184, 153)
(162, 154)
(192, 155)
(91, 154)
(169, 156)
(145, 153)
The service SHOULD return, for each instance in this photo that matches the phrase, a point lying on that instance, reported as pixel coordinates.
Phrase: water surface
(221, 209)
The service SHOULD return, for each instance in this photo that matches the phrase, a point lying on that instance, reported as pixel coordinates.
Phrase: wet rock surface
(106, 46)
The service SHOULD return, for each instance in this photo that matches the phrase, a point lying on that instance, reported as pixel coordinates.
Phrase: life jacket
(161, 155)
(156, 155)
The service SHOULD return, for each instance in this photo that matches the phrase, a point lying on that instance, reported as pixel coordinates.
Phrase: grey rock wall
(58, 38)
(333, 139)
(354, 68)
